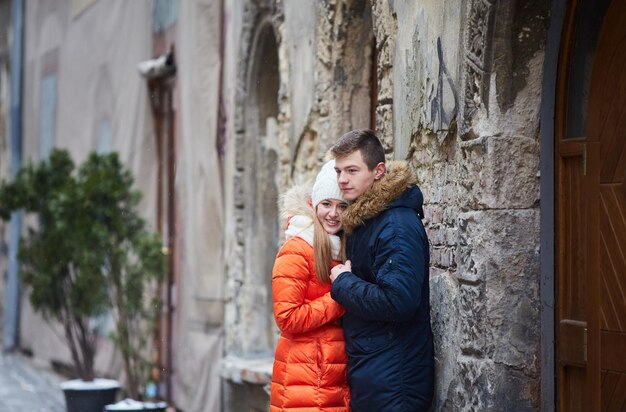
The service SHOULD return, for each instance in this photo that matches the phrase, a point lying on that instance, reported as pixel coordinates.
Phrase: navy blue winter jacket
(387, 322)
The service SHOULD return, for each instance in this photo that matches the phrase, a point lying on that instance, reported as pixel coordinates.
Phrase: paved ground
(24, 388)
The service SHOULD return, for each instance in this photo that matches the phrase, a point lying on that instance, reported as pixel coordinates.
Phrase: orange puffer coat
(310, 362)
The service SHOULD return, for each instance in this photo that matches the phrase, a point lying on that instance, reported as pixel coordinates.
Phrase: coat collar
(377, 198)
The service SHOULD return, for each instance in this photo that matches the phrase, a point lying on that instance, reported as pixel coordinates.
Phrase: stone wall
(473, 140)
(457, 94)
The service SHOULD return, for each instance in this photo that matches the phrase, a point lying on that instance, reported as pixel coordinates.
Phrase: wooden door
(607, 125)
(591, 211)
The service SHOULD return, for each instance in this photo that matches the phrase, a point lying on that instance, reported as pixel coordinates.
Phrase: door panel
(613, 388)
(613, 257)
(575, 266)
(591, 231)
(591, 227)
(572, 285)
(607, 125)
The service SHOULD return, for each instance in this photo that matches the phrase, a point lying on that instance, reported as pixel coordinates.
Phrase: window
(589, 17)
(47, 114)
(104, 137)
(165, 14)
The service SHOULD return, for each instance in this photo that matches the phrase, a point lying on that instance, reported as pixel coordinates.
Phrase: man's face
(354, 177)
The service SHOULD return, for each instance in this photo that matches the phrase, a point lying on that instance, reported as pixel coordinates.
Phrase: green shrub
(89, 253)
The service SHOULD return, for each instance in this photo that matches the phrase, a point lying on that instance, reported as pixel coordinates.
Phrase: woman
(310, 363)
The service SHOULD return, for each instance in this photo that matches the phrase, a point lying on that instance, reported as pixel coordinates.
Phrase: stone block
(436, 235)
(513, 390)
(386, 53)
(236, 263)
(483, 385)
(433, 214)
(239, 229)
(437, 180)
(384, 125)
(473, 323)
(444, 308)
(444, 297)
(451, 236)
(499, 257)
(445, 257)
(499, 246)
(385, 86)
(470, 388)
(499, 173)
(451, 257)
(239, 113)
(238, 190)
(513, 329)
(385, 30)
(256, 318)
(435, 255)
(240, 139)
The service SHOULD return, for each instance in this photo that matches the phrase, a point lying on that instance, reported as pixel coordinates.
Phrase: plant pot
(130, 405)
(93, 396)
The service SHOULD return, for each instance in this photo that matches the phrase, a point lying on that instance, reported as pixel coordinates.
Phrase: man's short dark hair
(364, 140)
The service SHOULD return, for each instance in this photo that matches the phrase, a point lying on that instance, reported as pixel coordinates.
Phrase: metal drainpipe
(12, 293)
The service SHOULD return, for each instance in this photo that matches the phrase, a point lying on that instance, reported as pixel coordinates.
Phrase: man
(384, 283)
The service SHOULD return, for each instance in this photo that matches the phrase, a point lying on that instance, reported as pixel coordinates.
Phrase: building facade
(5, 13)
(86, 88)
(477, 96)
(508, 111)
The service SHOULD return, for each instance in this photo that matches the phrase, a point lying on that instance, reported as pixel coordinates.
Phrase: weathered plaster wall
(59, 40)
(300, 38)
(425, 70)
(5, 148)
(198, 335)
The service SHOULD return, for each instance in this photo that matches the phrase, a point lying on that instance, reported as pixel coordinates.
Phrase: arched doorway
(590, 166)
(260, 221)
(252, 242)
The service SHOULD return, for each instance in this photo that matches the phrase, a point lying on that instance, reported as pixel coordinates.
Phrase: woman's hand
(339, 269)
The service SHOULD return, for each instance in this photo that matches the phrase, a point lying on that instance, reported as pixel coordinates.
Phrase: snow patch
(81, 385)
(130, 404)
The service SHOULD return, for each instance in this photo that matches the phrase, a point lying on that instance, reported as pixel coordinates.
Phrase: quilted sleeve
(290, 280)
(397, 293)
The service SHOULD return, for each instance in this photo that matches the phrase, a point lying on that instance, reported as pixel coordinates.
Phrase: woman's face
(328, 211)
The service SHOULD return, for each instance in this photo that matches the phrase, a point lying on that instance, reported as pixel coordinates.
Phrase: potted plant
(88, 254)
(134, 264)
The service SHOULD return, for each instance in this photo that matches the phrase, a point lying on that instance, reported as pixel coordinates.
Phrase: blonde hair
(322, 252)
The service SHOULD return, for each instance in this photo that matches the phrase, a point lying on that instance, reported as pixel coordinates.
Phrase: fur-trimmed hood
(385, 193)
(297, 216)
(295, 201)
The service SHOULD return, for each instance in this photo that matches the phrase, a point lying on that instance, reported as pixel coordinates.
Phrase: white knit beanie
(326, 186)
